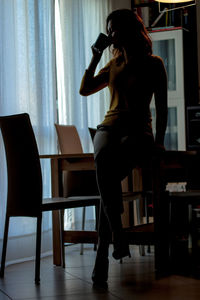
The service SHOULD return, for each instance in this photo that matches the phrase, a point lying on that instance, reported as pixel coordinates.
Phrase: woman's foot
(100, 271)
(121, 246)
(121, 251)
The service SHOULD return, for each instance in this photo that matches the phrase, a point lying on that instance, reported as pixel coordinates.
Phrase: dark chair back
(23, 166)
(92, 132)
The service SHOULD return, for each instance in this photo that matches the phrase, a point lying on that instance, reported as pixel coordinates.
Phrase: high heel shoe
(100, 271)
(121, 251)
(121, 246)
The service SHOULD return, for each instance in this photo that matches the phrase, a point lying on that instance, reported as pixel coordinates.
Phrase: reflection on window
(171, 135)
(166, 50)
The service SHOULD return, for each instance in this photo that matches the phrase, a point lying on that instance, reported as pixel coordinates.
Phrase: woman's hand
(96, 53)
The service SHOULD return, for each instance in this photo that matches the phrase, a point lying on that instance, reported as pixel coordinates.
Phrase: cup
(101, 43)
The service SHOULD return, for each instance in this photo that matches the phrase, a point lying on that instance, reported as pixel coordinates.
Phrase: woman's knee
(103, 146)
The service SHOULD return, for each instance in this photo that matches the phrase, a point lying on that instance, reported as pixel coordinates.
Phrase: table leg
(161, 219)
(57, 259)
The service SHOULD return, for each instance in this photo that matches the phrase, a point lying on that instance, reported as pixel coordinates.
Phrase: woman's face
(118, 35)
(113, 34)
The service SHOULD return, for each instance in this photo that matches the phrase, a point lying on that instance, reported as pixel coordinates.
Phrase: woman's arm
(160, 95)
(91, 84)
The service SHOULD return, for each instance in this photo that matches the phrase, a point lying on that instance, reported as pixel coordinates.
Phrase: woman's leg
(107, 145)
(115, 157)
(100, 271)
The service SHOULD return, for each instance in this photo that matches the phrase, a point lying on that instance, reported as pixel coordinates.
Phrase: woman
(124, 139)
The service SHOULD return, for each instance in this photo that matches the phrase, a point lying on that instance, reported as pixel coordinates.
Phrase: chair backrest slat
(69, 140)
(76, 183)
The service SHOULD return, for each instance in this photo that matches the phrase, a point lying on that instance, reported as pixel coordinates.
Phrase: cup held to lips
(101, 43)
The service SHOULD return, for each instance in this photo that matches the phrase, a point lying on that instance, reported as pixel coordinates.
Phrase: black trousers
(116, 153)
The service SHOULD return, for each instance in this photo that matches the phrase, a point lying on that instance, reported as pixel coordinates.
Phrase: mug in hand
(102, 42)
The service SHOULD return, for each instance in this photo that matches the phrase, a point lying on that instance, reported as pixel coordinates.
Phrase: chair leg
(5, 239)
(147, 219)
(97, 209)
(61, 217)
(83, 227)
(141, 247)
(142, 250)
(38, 249)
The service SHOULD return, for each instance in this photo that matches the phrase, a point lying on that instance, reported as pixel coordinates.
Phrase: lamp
(174, 2)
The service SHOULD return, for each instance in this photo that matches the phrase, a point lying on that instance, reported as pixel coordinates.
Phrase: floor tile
(134, 279)
(4, 296)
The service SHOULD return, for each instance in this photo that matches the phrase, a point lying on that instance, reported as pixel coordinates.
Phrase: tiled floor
(134, 279)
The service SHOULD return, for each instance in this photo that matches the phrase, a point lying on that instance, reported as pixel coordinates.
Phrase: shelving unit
(168, 44)
(176, 43)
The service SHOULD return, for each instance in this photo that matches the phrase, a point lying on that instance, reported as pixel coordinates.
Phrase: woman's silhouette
(124, 139)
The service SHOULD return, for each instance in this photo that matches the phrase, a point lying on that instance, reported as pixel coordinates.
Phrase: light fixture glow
(174, 1)
(187, 4)
(165, 10)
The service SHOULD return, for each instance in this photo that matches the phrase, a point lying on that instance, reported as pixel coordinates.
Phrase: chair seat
(141, 234)
(188, 197)
(187, 194)
(80, 201)
(130, 196)
(69, 202)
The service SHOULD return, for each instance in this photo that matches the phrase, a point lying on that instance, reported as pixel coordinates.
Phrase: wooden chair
(78, 182)
(24, 196)
(173, 225)
(177, 205)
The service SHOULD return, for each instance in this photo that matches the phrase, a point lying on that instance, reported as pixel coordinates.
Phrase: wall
(198, 40)
(122, 4)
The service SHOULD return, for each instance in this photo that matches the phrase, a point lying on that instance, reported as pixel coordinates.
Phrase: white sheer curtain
(78, 23)
(27, 74)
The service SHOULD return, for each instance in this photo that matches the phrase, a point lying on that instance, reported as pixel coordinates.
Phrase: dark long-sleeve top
(132, 86)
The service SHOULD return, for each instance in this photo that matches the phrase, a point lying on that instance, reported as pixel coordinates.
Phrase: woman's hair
(131, 28)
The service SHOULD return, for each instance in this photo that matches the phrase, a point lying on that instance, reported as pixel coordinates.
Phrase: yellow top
(131, 88)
